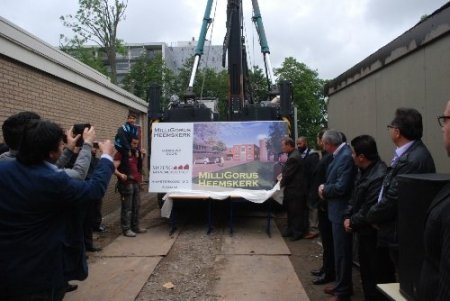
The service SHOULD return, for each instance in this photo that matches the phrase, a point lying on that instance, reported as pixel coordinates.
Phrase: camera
(95, 145)
(79, 129)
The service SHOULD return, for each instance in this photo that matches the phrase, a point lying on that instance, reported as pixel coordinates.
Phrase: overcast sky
(329, 36)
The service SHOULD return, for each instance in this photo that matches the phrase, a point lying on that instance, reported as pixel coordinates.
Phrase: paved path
(250, 265)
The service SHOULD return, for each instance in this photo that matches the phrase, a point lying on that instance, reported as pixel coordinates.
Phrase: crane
(234, 46)
(240, 103)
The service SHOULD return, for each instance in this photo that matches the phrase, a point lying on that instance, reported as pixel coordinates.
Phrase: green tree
(183, 76)
(276, 133)
(213, 84)
(208, 84)
(87, 55)
(146, 71)
(308, 96)
(97, 21)
(259, 85)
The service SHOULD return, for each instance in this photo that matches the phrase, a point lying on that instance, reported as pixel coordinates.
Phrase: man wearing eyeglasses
(411, 156)
(436, 266)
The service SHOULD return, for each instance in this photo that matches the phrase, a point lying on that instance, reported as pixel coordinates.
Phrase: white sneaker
(129, 233)
(139, 230)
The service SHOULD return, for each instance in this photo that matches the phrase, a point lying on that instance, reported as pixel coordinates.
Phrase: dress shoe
(286, 233)
(139, 230)
(129, 233)
(322, 279)
(101, 228)
(317, 273)
(93, 249)
(295, 237)
(71, 287)
(311, 235)
(329, 290)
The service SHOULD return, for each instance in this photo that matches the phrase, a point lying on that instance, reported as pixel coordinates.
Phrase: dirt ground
(190, 265)
(307, 256)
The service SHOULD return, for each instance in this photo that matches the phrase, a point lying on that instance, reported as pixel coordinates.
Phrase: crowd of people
(51, 192)
(51, 186)
(345, 189)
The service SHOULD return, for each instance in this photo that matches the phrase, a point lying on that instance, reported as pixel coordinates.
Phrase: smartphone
(78, 128)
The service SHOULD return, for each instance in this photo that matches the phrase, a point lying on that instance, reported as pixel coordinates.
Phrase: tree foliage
(308, 96)
(213, 84)
(208, 84)
(276, 133)
(87, 55)
(259, 85)
(97, 21)
(146, 71)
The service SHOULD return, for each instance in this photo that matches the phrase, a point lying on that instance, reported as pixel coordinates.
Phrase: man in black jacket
(411, 156)
(435, 275)
(375, 265)
(294, 190)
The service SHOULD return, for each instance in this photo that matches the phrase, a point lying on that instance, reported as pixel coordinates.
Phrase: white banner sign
(215, 156)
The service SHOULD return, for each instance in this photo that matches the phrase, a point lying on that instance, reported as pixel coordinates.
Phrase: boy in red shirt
(129, 188)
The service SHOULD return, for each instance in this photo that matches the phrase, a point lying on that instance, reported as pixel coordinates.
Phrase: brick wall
(26, 89)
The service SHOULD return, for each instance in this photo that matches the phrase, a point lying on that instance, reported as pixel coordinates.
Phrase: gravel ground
(190, 265)
(307, 256)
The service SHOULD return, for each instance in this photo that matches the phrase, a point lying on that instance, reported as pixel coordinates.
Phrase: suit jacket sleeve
(344, 180)
(74, 192)
(81, 166)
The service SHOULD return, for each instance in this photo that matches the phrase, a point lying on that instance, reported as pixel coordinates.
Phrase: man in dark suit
(337, 191)
(411, 157)
(435, 275)
(374, 262)
(327, 272)
(310, 160)
(35, 200)
(294, 191)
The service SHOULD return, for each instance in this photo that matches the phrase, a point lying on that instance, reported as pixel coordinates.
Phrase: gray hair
(332, 137)
(288, 141)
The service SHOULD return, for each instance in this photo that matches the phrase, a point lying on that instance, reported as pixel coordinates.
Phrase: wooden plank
(257, 278)
(114, 279)
(156, 242)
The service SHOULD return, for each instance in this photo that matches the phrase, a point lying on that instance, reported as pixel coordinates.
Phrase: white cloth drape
(254, 196)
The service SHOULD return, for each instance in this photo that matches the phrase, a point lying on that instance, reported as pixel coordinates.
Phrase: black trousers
(48, 295)
(296, 215)
(87, 225)
(343, 260)
(97, 214)
(326, 235)
(375, 267)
